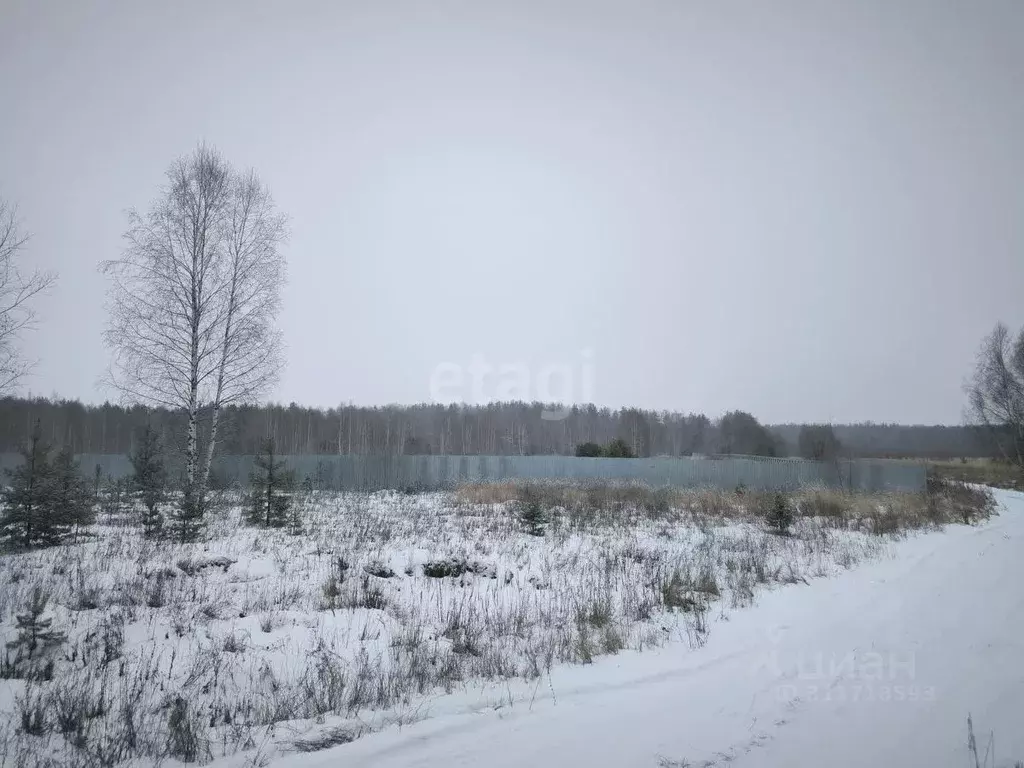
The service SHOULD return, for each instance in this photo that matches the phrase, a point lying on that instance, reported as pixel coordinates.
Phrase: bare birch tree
(996, 391)
(17, 290)
(194, 299)
(250, 355)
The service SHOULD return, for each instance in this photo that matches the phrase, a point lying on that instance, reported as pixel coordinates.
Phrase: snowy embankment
(433, 629)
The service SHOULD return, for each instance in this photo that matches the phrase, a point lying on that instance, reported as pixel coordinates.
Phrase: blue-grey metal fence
(369, 473)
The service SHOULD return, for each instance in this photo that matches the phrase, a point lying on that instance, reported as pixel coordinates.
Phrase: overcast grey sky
(807, 210)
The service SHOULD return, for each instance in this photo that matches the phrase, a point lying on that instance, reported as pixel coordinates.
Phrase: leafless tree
(250, 355)
(17, 289)
(996, 391)
(194, 299)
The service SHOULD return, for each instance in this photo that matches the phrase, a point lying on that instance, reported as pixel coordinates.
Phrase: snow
(880, 665)
(833, 646)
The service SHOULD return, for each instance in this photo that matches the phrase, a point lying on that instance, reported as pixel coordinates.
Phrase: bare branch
(17, 291)
(996, 392)
(194, 298)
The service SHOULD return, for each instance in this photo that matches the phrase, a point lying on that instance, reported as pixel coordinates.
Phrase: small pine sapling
(531, 513)
(97, 482)
(779, 514)
(71, 500)
(25, 519)
(270, 497)
(190, 515)
(36, 635)
(149, 483)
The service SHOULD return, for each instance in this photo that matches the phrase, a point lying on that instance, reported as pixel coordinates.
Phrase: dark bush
(440, 569)
(618, 449)
(379, 570)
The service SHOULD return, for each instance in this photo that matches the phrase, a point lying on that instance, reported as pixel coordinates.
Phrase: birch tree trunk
(193, 302)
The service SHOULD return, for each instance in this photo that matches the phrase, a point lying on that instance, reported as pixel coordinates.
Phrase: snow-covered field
(880, 666)
(430, 629)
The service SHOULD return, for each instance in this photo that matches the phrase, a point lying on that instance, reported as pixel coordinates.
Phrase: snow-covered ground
(878, 666)
(433, 629)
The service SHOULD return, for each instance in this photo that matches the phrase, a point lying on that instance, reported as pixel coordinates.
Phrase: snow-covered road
(879, 666)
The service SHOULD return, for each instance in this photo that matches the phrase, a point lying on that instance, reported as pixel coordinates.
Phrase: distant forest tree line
(192, 306)
(496, 429)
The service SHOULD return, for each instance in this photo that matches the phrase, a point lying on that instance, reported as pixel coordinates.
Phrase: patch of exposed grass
(991, 472)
